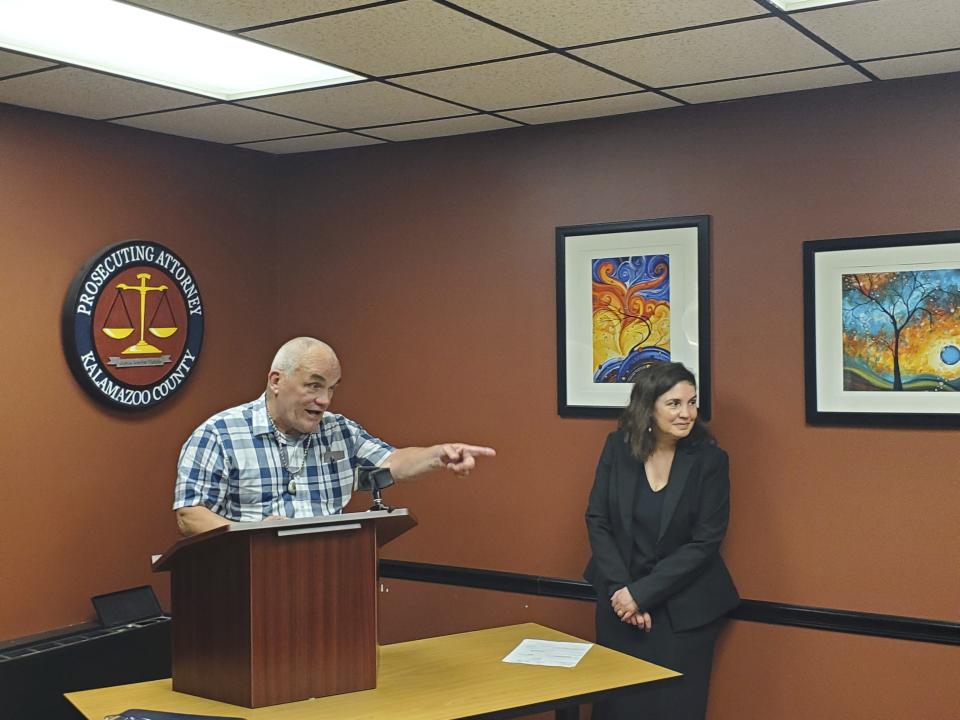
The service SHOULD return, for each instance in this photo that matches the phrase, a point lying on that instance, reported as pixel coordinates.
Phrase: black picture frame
(685, 241)
(861, 296)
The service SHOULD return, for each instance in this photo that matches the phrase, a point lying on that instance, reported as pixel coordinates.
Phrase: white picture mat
(829, 267)
(681, 245)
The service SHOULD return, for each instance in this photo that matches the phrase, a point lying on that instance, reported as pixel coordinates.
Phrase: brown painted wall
(430, 267)
(87, 490)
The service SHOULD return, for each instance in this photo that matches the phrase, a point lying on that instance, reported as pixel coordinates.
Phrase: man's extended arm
(409, 462)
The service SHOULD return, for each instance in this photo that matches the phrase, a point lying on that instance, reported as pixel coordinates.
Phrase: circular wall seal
(133, 324)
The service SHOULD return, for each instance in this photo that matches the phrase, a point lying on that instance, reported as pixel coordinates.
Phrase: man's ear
(273, 381)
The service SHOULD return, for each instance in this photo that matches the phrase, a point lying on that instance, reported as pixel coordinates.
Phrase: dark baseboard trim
(845, 621)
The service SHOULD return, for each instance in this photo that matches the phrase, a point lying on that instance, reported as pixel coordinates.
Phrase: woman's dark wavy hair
(637, 418)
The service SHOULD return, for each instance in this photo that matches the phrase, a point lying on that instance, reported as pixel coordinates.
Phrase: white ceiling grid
(445, 67)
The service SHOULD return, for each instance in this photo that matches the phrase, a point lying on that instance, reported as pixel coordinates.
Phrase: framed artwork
(630, 294)
(882, 330)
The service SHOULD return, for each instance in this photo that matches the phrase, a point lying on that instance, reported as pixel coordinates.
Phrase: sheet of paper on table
(548, 652)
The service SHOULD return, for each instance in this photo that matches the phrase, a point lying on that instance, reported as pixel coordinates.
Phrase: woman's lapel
(629, 474)
(679, 473)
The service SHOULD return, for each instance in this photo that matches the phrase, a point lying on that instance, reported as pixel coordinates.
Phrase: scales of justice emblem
(132, 324)
(160, 326)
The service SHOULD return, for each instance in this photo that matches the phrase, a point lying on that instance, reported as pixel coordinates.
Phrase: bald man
(283, 455)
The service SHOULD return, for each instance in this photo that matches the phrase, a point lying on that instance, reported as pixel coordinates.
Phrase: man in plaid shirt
(283, 455)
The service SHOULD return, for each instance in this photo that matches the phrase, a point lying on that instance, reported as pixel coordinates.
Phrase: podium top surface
(390, 524)
(441, 678)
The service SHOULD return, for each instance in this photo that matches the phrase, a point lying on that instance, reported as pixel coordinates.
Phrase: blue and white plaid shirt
(231, 465)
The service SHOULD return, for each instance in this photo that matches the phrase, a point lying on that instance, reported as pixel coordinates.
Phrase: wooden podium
(278, 611)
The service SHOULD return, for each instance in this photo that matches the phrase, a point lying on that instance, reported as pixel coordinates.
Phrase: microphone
(373, 480)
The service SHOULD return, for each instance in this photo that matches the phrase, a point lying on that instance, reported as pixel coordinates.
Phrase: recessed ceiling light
(137, 43)
(805, 4)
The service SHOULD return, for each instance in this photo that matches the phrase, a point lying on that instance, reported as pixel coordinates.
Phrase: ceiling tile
(12, 64)
(932, 64)
(439, 128)
(518, 83)
(739, 50)
(310, 143)
(236, 14)
(221, 123)
(359, 105)
(572, 22)
(396, 38)
(634, 102)
(770, 84)
(72, 91)
(891, 27)
(716, 53)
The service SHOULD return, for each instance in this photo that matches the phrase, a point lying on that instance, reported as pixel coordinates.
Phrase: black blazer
(689, 577)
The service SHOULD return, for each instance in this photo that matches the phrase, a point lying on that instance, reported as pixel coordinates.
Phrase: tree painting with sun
(631, 315)
(901, 330)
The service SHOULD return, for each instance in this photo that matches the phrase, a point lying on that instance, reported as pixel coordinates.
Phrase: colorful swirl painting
(631, 315)
(901, 331)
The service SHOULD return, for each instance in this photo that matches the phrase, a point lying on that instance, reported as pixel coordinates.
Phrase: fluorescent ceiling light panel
(136, 43)
(804, 4)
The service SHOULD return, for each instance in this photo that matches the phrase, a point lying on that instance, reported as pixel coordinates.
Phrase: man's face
(302, 395)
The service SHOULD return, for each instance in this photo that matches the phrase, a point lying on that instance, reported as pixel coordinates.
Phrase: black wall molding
(897, 627)
(844, 621)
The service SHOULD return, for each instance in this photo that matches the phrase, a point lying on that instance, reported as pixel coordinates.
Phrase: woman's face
(675, 411)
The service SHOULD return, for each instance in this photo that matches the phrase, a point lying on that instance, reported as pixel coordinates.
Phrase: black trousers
(689, 652)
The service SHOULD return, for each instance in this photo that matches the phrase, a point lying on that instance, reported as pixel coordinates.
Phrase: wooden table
(441, 678)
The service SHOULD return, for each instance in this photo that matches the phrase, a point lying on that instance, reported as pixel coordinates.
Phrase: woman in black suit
(656, 517)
